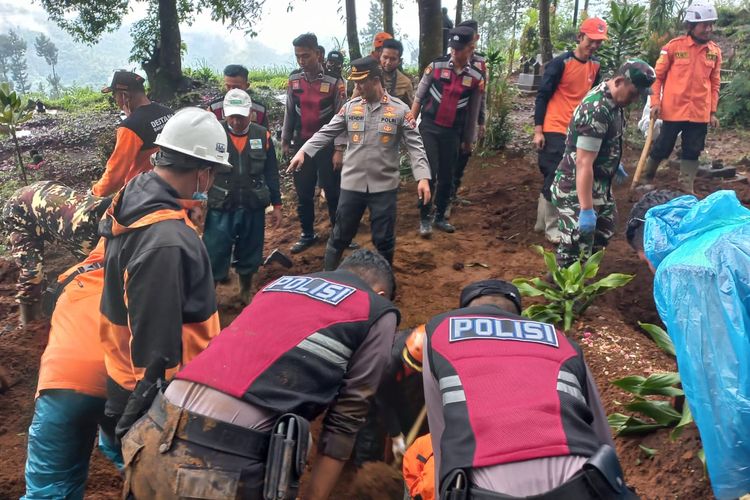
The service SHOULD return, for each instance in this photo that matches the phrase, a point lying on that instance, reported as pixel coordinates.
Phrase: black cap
(491, 287)
(335, 56)
(470, 23)
(460, 37)
(361, 68)
(125, 80)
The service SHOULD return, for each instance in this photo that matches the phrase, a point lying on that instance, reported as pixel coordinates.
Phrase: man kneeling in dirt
(304, 345)
(698, 251)
(72, 388)
(47, 212)
(512, 407)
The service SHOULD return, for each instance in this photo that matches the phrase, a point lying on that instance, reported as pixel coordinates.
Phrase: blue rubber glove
(587, 221)
(621, 175)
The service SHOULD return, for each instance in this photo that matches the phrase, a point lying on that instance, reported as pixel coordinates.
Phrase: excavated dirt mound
(493, 239)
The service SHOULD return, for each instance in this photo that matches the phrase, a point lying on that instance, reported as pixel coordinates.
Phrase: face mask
(199, 195)
(243, 132)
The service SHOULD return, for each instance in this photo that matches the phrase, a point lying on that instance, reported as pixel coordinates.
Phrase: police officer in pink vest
(512, 407)
(234, 422)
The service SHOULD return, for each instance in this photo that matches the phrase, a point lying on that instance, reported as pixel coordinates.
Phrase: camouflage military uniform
(597, 123)
(48, 212)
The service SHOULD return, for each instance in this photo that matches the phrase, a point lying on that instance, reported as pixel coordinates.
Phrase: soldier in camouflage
(582, 189)
(48, 212)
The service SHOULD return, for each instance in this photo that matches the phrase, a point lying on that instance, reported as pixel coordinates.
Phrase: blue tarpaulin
(701, 252)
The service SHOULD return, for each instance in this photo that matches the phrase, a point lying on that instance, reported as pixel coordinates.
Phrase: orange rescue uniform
(74, 358)
(576, 79)
(687, 80)
(419, 469)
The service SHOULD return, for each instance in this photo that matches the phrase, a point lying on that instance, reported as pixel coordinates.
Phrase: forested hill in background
(81, 64)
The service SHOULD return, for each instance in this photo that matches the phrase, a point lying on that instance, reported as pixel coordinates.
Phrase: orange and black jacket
(134, 147)
(565, 83)
(158, 299)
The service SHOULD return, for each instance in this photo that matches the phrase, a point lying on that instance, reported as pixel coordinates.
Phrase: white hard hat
(237, 102)
(700, 12)
(196, 133)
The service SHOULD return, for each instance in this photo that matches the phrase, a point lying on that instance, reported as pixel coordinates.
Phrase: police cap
(125, 80)
(335, 56)
(491, 287)
(363, 68)
(459, 38)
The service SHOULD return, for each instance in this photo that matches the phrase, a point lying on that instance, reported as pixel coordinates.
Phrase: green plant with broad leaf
(627, 30)
(659, 414)
(572, 290)
(13, 112)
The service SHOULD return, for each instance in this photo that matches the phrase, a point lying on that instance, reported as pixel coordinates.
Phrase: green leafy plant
(627, 32)
(660, 413)
(572, 290)
(13, 112)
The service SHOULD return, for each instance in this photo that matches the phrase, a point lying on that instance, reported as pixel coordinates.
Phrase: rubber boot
(688, 171)
(539, 225)
(246, 284)
(332, 258)
(30, 312)
(551, 222)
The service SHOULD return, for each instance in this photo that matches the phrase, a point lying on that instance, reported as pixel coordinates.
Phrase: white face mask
(243, 132)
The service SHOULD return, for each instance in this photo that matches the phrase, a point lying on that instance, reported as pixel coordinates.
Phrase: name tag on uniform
(467, 81)
(681, 55)
(445, 74)
(325, 87)
(256, 144)
(315, 288)
(502, 329)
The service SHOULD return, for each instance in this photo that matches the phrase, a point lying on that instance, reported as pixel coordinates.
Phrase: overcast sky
(277, 27)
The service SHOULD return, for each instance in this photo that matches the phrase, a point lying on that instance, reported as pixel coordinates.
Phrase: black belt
(205, 431)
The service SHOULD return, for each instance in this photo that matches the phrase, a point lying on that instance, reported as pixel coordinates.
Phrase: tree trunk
(575, 14)
(430, 32)
(352, 35)
(545, 40)
(459, 8)
(512, 49)
(166, 73)
(388, 17)
(586, 6)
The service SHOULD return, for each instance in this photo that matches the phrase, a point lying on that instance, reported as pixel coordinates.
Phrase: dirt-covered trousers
(48, 212)
(573, 245)
(173, 453)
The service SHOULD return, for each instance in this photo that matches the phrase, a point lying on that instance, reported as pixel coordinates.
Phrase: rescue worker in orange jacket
(566, 81)
(235, 77)
(71, 390)
(686, 94)
(159, 305)
(419, 469)
(136, 134)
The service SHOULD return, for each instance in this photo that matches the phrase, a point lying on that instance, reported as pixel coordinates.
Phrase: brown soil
(493, 239)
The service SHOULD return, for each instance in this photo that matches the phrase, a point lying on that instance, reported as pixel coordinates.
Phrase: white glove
(398, 447)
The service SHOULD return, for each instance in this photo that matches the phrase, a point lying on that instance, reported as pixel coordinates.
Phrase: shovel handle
(644, 153)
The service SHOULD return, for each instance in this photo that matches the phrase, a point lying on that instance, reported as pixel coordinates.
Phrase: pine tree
(46, 49)
(373, 27)
(18, 66)
(5, 53)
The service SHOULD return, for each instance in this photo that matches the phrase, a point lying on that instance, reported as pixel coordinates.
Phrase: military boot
(30, 312)
(688, 171)
(246, 284)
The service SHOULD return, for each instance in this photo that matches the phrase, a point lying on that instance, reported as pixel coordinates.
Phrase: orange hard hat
(381, 37)
(412, 353)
